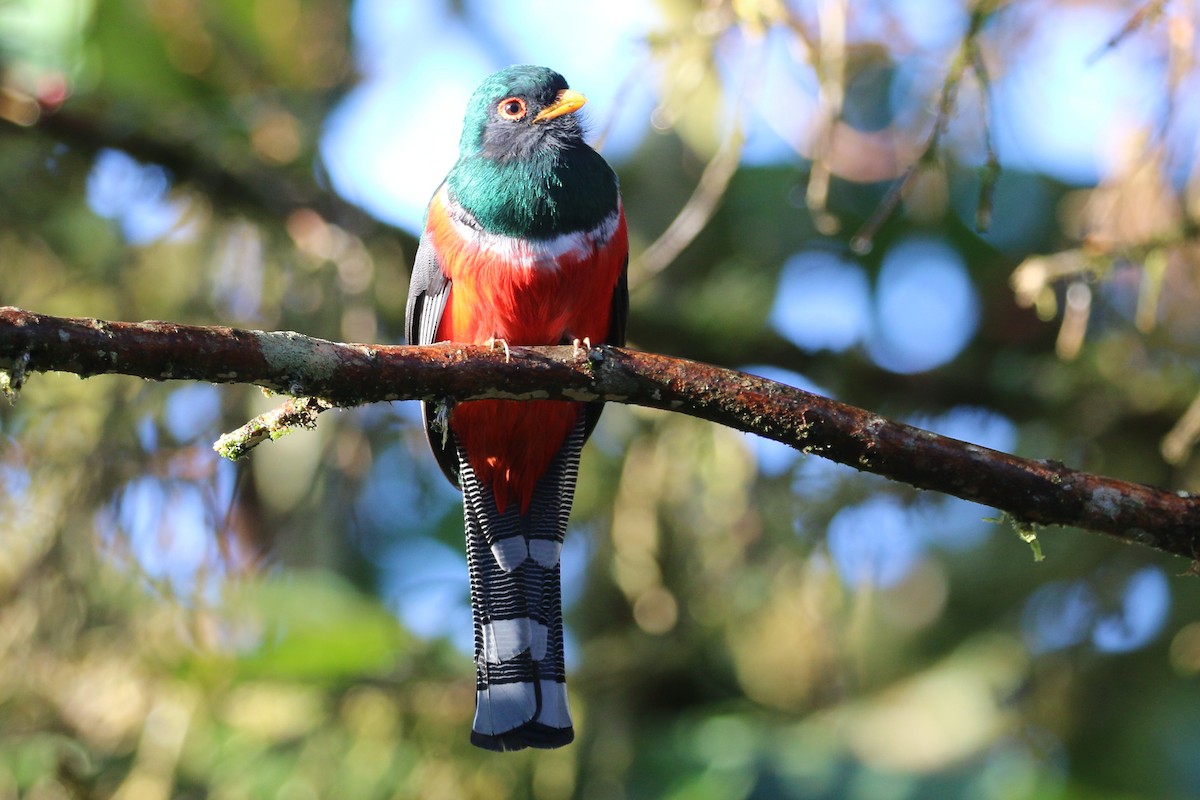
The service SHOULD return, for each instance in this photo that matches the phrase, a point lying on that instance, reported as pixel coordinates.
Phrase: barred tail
(516, 602)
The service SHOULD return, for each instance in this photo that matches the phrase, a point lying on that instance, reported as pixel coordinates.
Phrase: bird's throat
(548, 193)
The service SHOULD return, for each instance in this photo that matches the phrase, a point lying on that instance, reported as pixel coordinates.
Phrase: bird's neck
(544, 195)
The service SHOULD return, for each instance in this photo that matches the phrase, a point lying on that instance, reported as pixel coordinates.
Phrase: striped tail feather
(516, 603)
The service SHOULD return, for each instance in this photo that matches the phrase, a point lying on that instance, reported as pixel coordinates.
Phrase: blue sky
(1059, 110)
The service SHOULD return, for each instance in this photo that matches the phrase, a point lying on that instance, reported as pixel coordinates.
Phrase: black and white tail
(516, 602)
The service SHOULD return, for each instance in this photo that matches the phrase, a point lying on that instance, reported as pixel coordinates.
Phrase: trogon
(524, 244)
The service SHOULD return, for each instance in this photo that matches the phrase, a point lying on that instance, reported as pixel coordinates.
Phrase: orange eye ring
(512, 108)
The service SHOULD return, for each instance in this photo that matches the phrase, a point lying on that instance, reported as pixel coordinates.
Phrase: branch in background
(695, 214)
(229, 183)
(696, 211)
(713, 183)
(1144, 16)
(989, 173)
(830, 65)
(966, 58)
(1032, 492)
(1179, 442)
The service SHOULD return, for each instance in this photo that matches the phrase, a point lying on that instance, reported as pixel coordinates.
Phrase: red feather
(511, 443)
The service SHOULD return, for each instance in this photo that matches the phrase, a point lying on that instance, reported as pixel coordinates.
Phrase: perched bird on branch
(524, 244)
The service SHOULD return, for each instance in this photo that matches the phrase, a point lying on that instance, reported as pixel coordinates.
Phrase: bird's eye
(512, 108)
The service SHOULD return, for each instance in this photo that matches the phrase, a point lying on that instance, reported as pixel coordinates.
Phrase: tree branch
(1037, 492)
(232, 183)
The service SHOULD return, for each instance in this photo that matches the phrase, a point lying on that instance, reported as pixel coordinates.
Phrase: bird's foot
(441, 419)
(499, 344)
(582, 346)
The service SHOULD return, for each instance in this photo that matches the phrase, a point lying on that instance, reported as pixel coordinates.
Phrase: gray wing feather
(428, 290)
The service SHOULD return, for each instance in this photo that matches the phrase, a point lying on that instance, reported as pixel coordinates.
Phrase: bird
(524, 243)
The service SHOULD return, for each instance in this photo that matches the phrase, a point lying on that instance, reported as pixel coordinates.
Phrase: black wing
(617, 319)
(619, 315)
(428, 290)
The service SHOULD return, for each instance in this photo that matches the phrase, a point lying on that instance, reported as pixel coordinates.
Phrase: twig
(1143, 16)
(989, 173)
(967, 57)
(296, 412)
(864, 239)
(695, 214)
(1032, 492)
(1177, 445)
(231, 183)
(831, 74)
(699, 208)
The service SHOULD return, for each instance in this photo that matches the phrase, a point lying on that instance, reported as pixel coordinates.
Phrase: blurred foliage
(171, 626)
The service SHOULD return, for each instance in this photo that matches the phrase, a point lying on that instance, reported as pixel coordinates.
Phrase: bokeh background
(744, 621)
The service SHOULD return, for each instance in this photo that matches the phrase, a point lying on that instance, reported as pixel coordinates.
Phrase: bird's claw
(582, 346)
(493, 342)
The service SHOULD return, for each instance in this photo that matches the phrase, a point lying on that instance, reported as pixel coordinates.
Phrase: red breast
(526, 293)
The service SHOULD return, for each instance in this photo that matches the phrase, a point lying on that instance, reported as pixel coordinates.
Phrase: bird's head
(523, 167)
(519, 113)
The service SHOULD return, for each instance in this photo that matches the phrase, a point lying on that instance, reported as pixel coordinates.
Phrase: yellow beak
(568, 101)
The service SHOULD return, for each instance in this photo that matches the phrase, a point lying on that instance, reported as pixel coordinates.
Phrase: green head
(523, 167)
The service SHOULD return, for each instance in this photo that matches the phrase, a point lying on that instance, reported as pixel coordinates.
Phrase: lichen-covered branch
(1032, 492)
(295, 412)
